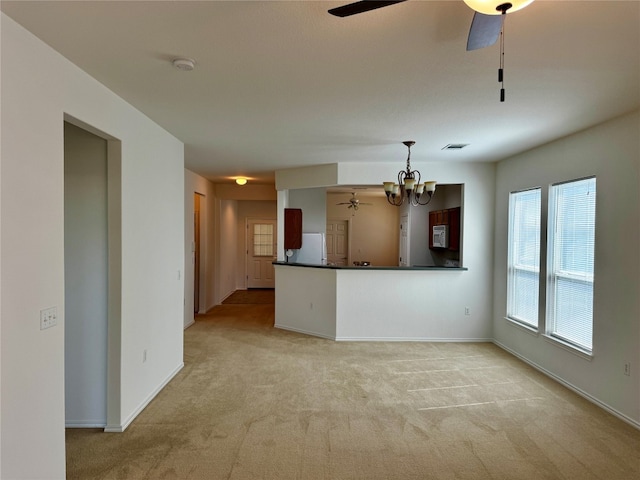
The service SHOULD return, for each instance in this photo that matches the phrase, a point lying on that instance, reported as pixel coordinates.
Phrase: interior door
(261, 252)
(337, 238)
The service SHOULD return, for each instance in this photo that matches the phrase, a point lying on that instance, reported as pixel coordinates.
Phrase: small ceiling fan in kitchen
(353, 203)
(486, 27)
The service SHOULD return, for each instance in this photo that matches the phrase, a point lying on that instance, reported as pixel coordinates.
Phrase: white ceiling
(283, 84)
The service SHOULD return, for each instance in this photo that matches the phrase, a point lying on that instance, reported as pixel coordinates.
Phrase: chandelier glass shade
(409, 187)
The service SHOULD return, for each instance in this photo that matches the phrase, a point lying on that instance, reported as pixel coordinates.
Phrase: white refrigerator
(312, 251)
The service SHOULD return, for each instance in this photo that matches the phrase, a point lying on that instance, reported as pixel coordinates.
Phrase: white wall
(85, 277)
(1, 290)
(611, 152)
(38, 87)
(412, 305)
(313, 202)
(227, 254)
(306, 300)
(193, 184)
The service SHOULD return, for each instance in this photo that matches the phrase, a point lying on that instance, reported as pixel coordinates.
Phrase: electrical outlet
(627, 369)
(48, 318)
(467, 311)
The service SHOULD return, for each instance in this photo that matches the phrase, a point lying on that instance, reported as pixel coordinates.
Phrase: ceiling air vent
(455, 146)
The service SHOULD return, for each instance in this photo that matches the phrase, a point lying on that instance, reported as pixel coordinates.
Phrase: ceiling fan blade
(484, 32)
(361, 7)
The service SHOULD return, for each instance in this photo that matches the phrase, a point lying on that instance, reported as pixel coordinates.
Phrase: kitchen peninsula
(361, 303)
(387, 303)
(368, 267)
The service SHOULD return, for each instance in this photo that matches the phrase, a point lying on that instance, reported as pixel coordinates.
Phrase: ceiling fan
(486, 26)
(354, 203)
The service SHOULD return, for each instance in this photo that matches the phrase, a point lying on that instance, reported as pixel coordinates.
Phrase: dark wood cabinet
(451, 218)
(292, 228)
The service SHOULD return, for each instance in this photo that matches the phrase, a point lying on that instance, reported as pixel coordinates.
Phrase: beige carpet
(254, 402)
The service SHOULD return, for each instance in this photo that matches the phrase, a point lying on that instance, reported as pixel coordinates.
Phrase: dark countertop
(370, 267)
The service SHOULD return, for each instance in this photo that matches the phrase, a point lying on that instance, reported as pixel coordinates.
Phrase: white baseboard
(305, 332)
(573, 388)
(121, 428)
(383, 339)
(189, 324)
(84, 425)
(413, 339)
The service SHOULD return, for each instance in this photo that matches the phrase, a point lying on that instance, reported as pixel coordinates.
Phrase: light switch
(48, 318)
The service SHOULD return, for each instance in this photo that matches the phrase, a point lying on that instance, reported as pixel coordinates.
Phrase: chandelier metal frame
(409, 188)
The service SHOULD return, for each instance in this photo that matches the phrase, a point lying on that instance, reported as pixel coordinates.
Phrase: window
(571, 242)
(523, 267)
(262, 240)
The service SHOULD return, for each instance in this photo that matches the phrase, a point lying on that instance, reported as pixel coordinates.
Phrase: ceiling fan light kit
(487, 24)
(409, 188)
(496, 7)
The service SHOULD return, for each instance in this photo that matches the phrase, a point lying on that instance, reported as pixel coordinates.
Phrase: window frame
(262, 239)
(555, 273)
(513, 265)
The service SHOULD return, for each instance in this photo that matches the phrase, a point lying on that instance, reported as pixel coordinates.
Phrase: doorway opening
(92, 276)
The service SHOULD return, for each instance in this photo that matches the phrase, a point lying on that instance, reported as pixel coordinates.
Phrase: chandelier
(409, 188)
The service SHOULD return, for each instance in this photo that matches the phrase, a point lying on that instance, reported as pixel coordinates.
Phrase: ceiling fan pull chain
(501, 69)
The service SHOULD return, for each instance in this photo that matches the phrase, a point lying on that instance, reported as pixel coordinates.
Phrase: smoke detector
(184, 64)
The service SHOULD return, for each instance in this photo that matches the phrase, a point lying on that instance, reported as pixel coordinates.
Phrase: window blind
(523, 265)
(571, 246)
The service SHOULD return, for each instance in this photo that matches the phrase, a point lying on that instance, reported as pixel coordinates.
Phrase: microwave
(440, 236)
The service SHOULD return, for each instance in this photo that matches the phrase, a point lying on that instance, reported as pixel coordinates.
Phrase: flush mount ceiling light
(409, 187)
(241, 181)
(184, 64)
